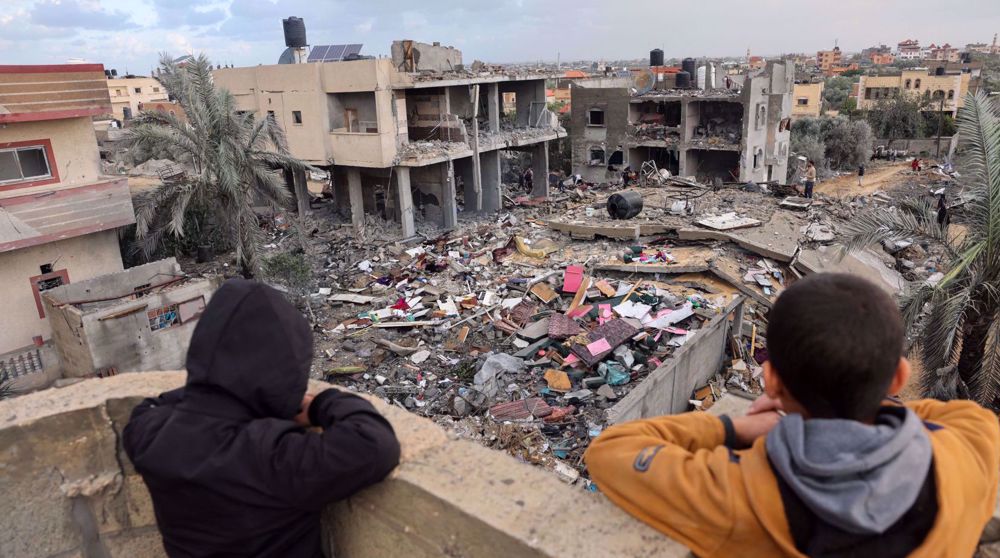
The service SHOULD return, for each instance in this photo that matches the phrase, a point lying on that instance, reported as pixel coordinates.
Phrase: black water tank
(690, 65)
(656, 57)
(683, 80)
(295, 32)
(939, 71)
(625, 205)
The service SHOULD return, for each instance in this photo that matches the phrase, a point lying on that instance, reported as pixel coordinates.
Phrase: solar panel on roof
(336, 53)
(352, 49)
(333, 53)
(318, 53)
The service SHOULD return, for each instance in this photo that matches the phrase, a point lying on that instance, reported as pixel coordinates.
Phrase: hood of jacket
(861, 478)
(252, 345)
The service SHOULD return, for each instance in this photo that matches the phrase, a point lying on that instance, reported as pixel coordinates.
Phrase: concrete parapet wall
(668, 389)
(69, 490)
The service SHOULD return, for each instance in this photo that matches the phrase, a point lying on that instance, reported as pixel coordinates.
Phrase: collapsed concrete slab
(865, 263)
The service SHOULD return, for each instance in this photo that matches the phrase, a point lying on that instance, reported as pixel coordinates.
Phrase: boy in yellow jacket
(844, 473)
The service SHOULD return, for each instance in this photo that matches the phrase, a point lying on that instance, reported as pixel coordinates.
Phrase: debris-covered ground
(521, 329)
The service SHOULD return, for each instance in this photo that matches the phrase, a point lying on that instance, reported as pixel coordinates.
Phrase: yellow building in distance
(938, 89)
(130, 92)
(807, 99)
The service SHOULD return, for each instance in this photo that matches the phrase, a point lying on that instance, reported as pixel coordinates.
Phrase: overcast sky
(129, 33)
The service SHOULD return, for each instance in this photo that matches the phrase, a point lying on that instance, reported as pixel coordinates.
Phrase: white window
(19, 164)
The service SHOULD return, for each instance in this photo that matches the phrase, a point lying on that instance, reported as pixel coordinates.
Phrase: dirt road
(879, 178)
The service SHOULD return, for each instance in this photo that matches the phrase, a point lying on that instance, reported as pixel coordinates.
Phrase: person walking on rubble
(942, 213)
(810, 182)
(826, 462)
(229, 459)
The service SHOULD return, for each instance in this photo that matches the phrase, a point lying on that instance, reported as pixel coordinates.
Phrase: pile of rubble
(526, 330)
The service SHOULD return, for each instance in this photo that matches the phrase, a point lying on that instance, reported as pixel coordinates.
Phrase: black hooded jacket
(229, 471)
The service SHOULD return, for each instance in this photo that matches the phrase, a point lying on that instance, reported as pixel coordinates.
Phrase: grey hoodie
(857, 477)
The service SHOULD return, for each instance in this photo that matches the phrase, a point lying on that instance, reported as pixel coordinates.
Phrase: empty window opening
(909, 83)
(595, 117)
(296, 117)
(24, 163)
(951, 94)
(802, 101)
(596, 156)
(138, 90)
(916, 84)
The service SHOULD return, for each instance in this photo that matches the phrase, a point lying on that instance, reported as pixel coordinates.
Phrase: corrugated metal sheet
(50, 216)
(48, 92)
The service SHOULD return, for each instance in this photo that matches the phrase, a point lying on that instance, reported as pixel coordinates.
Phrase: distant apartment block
(826, 59)
(58, 216)
(129, 94)
(909, 50)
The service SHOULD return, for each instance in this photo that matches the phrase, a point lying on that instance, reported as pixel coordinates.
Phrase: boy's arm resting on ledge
(672, 472)
(165, 398)
(357, 448)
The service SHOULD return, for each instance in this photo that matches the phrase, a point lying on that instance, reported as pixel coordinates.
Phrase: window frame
(297, 118)
(604, 121)
(50, 160)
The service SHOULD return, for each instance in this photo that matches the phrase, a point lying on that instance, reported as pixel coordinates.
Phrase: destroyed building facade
(58, 215)
(417, 132)
(736, 135)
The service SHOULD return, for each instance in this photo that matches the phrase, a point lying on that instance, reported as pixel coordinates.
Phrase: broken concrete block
(607, 392)
(535, 330)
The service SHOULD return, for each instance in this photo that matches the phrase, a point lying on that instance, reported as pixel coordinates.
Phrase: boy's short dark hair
(835, 341)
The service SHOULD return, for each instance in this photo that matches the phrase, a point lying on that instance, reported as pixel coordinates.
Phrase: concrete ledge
(667, 389)
(69, 490)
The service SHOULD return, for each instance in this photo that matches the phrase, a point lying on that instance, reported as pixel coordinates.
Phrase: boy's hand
(751, 427)
(302, 419)
(763, 404)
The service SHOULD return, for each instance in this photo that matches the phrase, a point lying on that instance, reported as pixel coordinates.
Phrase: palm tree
(235, 162)
(960, 332)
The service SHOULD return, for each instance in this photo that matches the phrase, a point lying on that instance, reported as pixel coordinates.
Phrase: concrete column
(492, 187)
(301, 192)
(540, 170)
(449, 205)
(357, 200)
(465, 169)
(405, 201)
(493, 106)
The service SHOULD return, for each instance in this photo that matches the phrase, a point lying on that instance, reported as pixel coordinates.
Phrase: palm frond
(938, 342)
(986, 382)
(914, 221)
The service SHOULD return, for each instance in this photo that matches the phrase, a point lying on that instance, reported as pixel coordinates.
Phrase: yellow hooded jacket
(675, 474)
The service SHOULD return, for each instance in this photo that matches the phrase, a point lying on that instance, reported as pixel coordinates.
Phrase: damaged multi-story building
(414, 135)
(736, 129)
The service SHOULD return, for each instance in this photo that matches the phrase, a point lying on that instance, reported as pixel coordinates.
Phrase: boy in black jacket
(228, 461)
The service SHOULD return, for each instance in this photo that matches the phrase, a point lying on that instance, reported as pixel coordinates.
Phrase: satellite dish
(644, 82)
